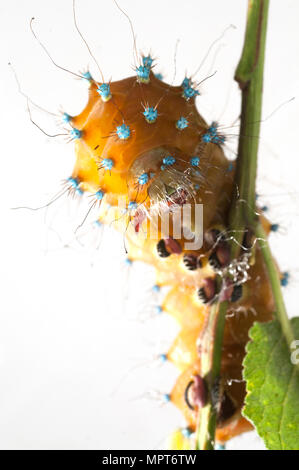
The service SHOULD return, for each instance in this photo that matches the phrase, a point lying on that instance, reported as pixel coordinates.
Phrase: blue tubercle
(147, 61)
(143, 74)
(87, 76)
(156, 288)
(186, 432)
(182, 123)
(128, 262)
(123, 132)
(163, 357)
(285, 279)
(66, 118)
(213, 128)
(186, 82)
(104, 91)
(212, 135)
(206, 138)
(265, 208)
(166, 397)
(159, 309)
(169, 160)
(189, 91)
(99, 195)
(132, 205)
(159, 76)
(194, 161)
(218, 139)
(75, 183)
(75, 133)
(143, 179)
(230, 167)
(150, 114)
(107, 163)
(274, 227)
(219, 446)
(98, 223)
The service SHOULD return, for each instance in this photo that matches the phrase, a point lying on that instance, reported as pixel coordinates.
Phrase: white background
(76, 361)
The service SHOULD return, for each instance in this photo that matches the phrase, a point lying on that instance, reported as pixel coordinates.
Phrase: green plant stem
(280, 311)
(243, 216)
(211, 353)
(249, 75)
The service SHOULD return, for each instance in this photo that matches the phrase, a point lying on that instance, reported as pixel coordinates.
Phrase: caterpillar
(143, 155)
(142, 141)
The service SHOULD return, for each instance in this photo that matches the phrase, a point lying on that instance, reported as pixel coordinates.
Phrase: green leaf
(272, 401)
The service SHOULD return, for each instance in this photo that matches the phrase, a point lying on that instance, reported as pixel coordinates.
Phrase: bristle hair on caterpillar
(66, 328)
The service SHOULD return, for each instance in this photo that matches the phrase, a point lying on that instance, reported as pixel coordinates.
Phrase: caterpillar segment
(146, 144)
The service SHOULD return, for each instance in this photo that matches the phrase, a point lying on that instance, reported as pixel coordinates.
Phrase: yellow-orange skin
(98, 122)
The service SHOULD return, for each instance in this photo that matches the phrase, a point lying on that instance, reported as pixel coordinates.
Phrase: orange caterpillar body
(143, 140)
